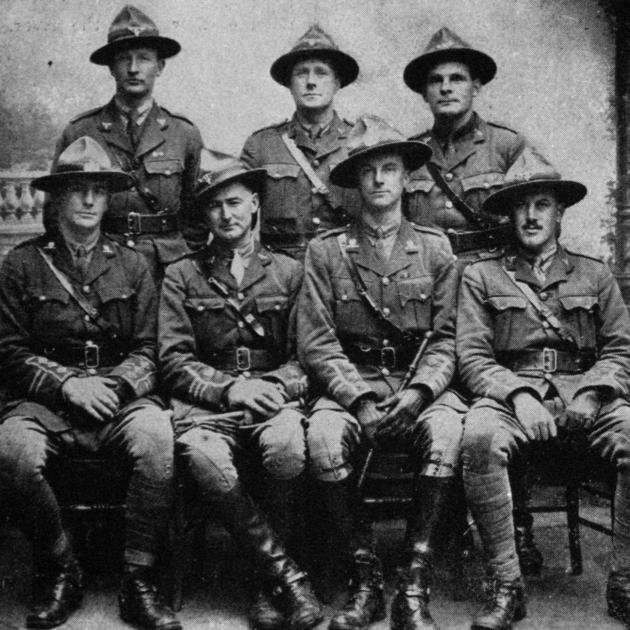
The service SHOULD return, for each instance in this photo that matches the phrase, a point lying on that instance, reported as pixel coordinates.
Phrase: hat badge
(136, 30)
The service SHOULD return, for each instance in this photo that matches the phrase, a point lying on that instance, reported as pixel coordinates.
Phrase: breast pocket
(118, 307)
(281, 194)
(207, 318)
(581, 310)
(509, 315)
(350, 317)
(50, 314)
(416, 302)
(274, 315)
(164, 177)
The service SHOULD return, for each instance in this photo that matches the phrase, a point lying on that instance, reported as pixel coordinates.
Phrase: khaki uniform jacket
(474, 168)
(195, 323)
(41, 325)
(416, 288)
(291, 212)
(165, 163)
(494, 317)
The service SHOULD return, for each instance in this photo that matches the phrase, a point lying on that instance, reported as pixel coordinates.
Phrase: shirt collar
(380, 231)
(314, 131)
(444, 134)
(143, 110)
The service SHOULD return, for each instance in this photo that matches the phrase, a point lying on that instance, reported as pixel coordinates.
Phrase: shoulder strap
(468, 211)
(305, 165)
(363, 292)
(542, 310)
(83, 304)
(252, 323)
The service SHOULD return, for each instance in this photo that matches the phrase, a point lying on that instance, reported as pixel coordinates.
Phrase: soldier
(225, 351)
(299, 154)
(470, 159)
(543, 340)
(78, 324)
(371, 292)
(158, 149)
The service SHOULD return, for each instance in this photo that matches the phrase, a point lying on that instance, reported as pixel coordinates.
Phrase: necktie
(82, 260)
(133, 130)
(537, 269)
(237, 268)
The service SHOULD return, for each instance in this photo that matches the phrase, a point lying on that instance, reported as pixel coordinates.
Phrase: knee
(283, 446)
(22, 456)
(330, 446)
(482, 450)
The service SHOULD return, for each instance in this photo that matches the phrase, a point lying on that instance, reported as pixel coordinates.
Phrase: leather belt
(89, 356)
(479, 239)
(243, 359)
(136, 223)
(390, 357)
(548, 360)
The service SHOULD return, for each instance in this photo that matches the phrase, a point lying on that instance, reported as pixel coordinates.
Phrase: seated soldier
(371, 292)
(225, 348)
(543, 341)
(77, 352)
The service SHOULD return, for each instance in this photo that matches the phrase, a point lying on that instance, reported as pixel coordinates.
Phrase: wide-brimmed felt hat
(531, 173)
(447, 46)
(372, 135)
(132, 28)
(84, 159)
(314, 43)
(219, 169)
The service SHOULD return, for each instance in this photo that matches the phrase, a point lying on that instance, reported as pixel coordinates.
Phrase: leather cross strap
(468, 211)
(542, 310)
(83, 304)
(366, 297)
(318, 185)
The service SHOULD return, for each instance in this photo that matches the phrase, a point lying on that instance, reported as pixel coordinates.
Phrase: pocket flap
(483, 180)
(408, 291)
(204, 304)
(587, 302)
(51, 293)
(278, 171)
(107, 294)
(271, 303)
(420, 185)
(168, 166)
(503, 302)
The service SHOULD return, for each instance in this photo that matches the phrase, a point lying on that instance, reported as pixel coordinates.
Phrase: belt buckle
(388, 357)
(134, 223)
(91, 355)
(550, 360)
(243, 359)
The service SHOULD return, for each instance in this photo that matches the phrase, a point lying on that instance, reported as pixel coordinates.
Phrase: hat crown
(445, 39)
(371, 131)
(84, 154)
(217, 166)
(315, 39)
(131, 22)
(531, 166)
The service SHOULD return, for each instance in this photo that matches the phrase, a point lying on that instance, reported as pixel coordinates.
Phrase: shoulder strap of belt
(83, 304)
(305, 165)
(247, 318)
(468, 211)
(359, 285)
(542, 310)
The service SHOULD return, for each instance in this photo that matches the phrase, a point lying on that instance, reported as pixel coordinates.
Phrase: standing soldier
(158, 149)
(470, 159)
(298, 154)
(371, 292)
(226, 346)
(543, 340)
(78, 320)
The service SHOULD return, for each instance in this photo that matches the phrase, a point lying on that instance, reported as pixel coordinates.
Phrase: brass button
(240, 296)
(423, 296)
(386, 281)
(448, 177)
(386, 311)
(277, 307)
(42, 298)
(543, 295)
(545, 324)
(315, 163)
(385, 372)
(316, 220)
(547, 376)
(86, 288)
(314, 190)
(200, 308)
(344, 298)
(240, 324)
(91, 371)
(167, 171)
(486, 184)
(86, 318)
(247, 374)
(131, 243)
(385, 342)
(449, 203)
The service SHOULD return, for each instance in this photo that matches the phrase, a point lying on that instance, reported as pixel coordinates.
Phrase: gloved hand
(404, 408)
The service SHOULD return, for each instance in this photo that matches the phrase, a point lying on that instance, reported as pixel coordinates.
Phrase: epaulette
(272, 126)
(36, 240)
(177, 115)
(584, 255)
(427, 229)
(333, 231)
(488, 255)
(500, 125)
(89, 112)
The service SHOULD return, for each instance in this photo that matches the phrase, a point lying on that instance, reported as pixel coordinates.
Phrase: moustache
(531, 225)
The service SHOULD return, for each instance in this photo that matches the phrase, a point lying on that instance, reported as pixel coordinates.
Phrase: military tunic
(165, 165)
(292, 212)
(205, 347)
(46, 338)
(350, 354)
(496, 325)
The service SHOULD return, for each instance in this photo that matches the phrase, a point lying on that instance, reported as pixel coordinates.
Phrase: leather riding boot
(140, 605)
(618, 596)
(244, 520)
(505, 603)
(366, 602)
(410, 606)
(57, 593)
(530, 558)
(264, 613)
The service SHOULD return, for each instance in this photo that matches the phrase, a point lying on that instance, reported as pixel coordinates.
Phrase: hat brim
(254, 179)
(346, 67)
(413, 152)
(481, 66)
(568, 193)
(165, 47)
(116, 181)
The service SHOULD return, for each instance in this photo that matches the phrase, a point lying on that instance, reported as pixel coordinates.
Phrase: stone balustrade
(20, 209)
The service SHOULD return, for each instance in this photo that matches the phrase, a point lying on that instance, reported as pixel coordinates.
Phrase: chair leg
(573, 523)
